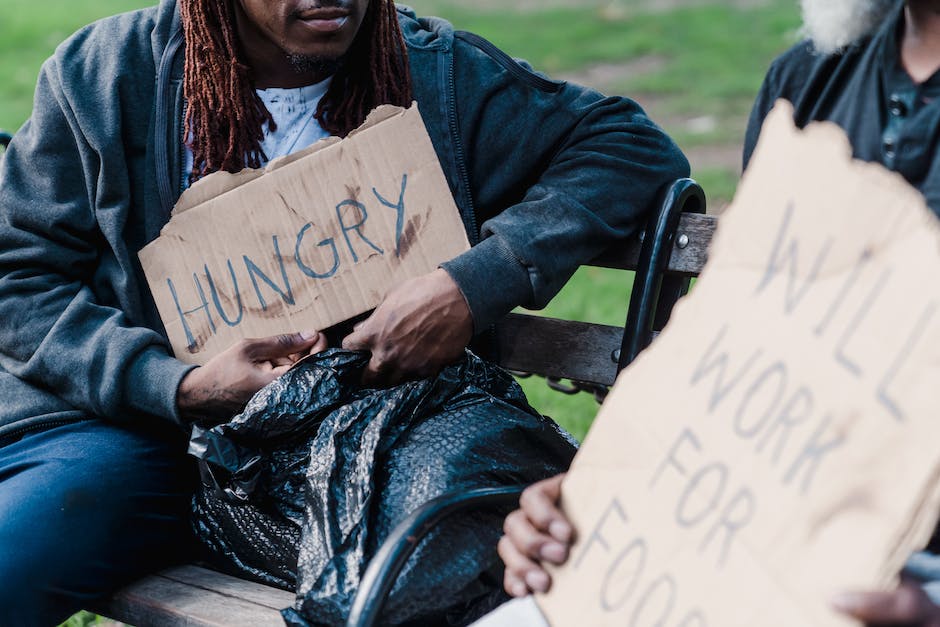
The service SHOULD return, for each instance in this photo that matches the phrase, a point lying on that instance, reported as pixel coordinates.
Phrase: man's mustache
(310, 5)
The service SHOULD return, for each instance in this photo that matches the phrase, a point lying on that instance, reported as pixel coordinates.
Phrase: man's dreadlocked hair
(225, 117)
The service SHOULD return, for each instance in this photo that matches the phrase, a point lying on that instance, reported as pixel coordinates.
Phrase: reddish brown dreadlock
(224, 113)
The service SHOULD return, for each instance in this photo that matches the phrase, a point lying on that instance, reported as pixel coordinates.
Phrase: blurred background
(694, 65)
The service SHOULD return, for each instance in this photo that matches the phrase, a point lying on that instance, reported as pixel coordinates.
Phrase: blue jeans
(84, 509)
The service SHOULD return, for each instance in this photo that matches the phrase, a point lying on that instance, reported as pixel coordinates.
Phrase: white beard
(834, 25)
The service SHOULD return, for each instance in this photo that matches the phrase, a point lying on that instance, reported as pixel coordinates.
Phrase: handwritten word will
(857, 301)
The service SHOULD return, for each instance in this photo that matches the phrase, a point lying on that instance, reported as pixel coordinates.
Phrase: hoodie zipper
(184, 175)
(471, 219)
(165, 99)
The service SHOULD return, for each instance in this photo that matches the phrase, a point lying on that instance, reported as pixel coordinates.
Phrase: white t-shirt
(292, 110)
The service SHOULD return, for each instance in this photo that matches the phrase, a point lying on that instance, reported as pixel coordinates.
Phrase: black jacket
(865, 90)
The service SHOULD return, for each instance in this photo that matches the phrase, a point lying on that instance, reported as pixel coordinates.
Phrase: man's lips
(324, 20)
(323, 13)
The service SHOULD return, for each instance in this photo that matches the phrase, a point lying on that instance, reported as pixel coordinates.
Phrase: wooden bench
(670, 250)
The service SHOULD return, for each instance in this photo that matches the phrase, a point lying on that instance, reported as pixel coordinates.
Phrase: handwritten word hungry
(313, 252)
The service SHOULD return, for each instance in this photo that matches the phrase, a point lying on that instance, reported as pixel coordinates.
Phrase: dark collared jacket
(888, 118)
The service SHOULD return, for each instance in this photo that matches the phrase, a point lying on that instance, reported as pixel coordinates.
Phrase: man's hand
(420, 327)
(907, 605)
(536, 532)
(221, 387)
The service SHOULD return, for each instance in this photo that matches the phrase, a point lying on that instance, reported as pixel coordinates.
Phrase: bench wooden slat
(260, 594)
(686, 261)
(197, 597)
(699, 228)
(534, 343)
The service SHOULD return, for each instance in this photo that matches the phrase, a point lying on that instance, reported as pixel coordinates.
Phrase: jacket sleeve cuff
(492, 280)
(152, 382)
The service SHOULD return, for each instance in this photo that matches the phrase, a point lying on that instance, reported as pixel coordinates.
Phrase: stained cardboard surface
(311, 240)
(778, 442)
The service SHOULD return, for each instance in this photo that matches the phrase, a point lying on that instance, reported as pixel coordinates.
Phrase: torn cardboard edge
(220, 183)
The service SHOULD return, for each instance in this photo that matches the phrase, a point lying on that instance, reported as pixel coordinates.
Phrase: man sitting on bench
(94, 482)
(870, 66)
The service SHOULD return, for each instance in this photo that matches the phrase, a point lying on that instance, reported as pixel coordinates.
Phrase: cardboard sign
(312, 240)
(778, 442)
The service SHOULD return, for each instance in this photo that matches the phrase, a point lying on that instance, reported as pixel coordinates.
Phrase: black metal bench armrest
(654, 293)
(383, 570)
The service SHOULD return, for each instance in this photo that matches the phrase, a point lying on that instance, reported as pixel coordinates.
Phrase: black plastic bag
(301, 489)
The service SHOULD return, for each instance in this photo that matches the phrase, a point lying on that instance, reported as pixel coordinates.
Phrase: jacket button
(896, 106)
(889, 146)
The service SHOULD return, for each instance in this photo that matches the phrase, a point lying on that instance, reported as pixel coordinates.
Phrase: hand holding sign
(908, 605)
(420, 327)
(221, 388)
(536, 532)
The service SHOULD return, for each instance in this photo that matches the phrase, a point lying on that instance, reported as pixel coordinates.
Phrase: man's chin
(313, 65)
(834, 25)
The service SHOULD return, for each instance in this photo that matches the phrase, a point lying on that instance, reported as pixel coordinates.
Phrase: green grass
(721, 179)
(696, 40)
(84, 619)
(29, 32)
